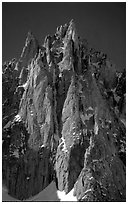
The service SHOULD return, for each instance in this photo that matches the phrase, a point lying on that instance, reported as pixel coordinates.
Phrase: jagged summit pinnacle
(30, 37)
(64, 120)
(72, 25)
(31, 41)
(66, 32)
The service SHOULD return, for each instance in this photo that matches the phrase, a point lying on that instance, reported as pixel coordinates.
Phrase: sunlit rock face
(64, 120)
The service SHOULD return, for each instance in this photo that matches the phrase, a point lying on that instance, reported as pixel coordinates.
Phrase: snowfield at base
(5, 196)
(69, 197)
(50, 193)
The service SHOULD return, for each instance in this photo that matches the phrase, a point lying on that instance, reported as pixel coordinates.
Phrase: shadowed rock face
(64, 120)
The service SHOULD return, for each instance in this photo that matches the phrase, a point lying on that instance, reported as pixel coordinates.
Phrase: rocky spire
(29, 51)
(64, 120)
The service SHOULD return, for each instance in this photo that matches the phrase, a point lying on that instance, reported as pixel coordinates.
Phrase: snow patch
(64, 149)
(31, 113)
(113, 90)
(66, 197)
(89, 190)
(17, 118)
(86, 116)
(60, 75)
(92, 74)
(91, 178)
(89, 108)
(119, 74)
(16, 154)
(96, 128)
(42, 126)
(123, 121)
(116, 97)
(25, 85)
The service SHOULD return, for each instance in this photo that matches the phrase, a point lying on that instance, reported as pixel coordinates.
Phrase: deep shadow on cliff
(64, 120)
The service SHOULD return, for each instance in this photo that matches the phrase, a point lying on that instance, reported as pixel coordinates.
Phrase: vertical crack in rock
(64, 120)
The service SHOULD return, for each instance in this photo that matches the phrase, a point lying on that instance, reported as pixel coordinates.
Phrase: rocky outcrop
(64, 120)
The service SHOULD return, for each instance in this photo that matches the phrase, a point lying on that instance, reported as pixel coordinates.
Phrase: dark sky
(102, 24)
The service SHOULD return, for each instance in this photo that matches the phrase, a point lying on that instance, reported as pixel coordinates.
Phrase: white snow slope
(50, 193)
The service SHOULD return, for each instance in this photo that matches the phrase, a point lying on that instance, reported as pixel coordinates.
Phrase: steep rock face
(91, 127)
(68, 124)
(27, 138)
(9, 85)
